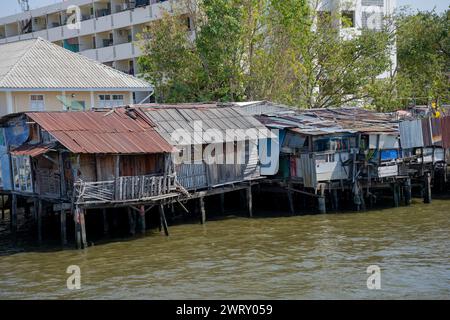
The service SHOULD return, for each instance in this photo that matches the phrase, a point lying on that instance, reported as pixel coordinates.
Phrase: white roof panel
(37, 64)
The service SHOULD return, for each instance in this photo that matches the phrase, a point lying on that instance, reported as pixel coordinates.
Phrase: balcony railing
(125, 189)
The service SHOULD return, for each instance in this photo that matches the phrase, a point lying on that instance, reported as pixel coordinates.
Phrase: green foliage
(422, 73)
(284, 51)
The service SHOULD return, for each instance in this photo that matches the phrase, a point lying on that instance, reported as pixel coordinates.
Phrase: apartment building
(361, 14)
(107, 29)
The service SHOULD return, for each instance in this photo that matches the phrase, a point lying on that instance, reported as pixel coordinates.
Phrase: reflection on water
(303, 257)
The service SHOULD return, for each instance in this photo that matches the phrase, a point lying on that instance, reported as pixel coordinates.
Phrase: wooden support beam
(83, 228)
(63, 227)
(182, 206)
(321, 205)
(335, 199)
(142, 219)
(3, 207)
(105, 222)
(427, 188)
(250, 202)
(131, 221)
(76, 218)
(163, 220)
(13, 214)
(39, 221)
(80, 228)
(321, 200)
(396, 194)
(408, 192)
(304, 192)
(202, 210)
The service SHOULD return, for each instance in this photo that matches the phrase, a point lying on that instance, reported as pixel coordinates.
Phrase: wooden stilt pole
(3, 207)
(131, 221)
(13, 214)
(105, 222)
(356, 196)
(250, 201)
(427, 188)
(335, 197)
(396, 195)
(163, 219)
(322, 204)
(290, 199)
(83, 228)
(321, 201)
(63, 227)
(39, 221)
(142, 218)
(407, 192)
(202, 210)
(76, 217)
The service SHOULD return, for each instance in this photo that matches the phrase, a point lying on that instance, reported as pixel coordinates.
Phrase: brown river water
(301, 257)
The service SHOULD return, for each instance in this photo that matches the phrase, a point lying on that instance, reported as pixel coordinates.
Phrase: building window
(348, 19)
(21, 166)
(78, 105)
(110, 100)
(37, 102)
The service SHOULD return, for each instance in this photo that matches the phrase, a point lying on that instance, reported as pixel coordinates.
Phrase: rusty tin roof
(117, 131)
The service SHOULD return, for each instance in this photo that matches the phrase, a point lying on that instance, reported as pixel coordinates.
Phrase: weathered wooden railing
(125, 189)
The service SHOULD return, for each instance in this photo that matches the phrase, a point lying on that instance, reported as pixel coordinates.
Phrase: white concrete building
(362, 14)
(106, 32)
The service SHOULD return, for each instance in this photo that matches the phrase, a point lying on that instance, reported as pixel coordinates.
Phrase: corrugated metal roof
(123, 131)
(255, 108)
(214, 120)
(39, 64)
(324, 121)
(32, 150)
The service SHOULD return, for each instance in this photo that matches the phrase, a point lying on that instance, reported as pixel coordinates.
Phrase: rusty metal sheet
(426, 132)
(32, 150)
(446, 131)
(118, 131)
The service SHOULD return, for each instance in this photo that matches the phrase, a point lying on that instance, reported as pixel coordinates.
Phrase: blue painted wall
(14, 133)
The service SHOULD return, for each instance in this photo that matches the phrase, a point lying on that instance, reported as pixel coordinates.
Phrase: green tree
(423, 62)
(170, 61)
(280, 50)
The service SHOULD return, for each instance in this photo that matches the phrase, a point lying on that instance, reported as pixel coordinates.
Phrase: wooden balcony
(126, 190)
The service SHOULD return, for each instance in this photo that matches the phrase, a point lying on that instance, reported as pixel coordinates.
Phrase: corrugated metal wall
(411, 134)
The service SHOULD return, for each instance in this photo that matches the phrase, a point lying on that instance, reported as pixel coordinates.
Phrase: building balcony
(124, 51)
(103, 24)
(55, 34)
(106, 54)
(126, 189)
(122, 19)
